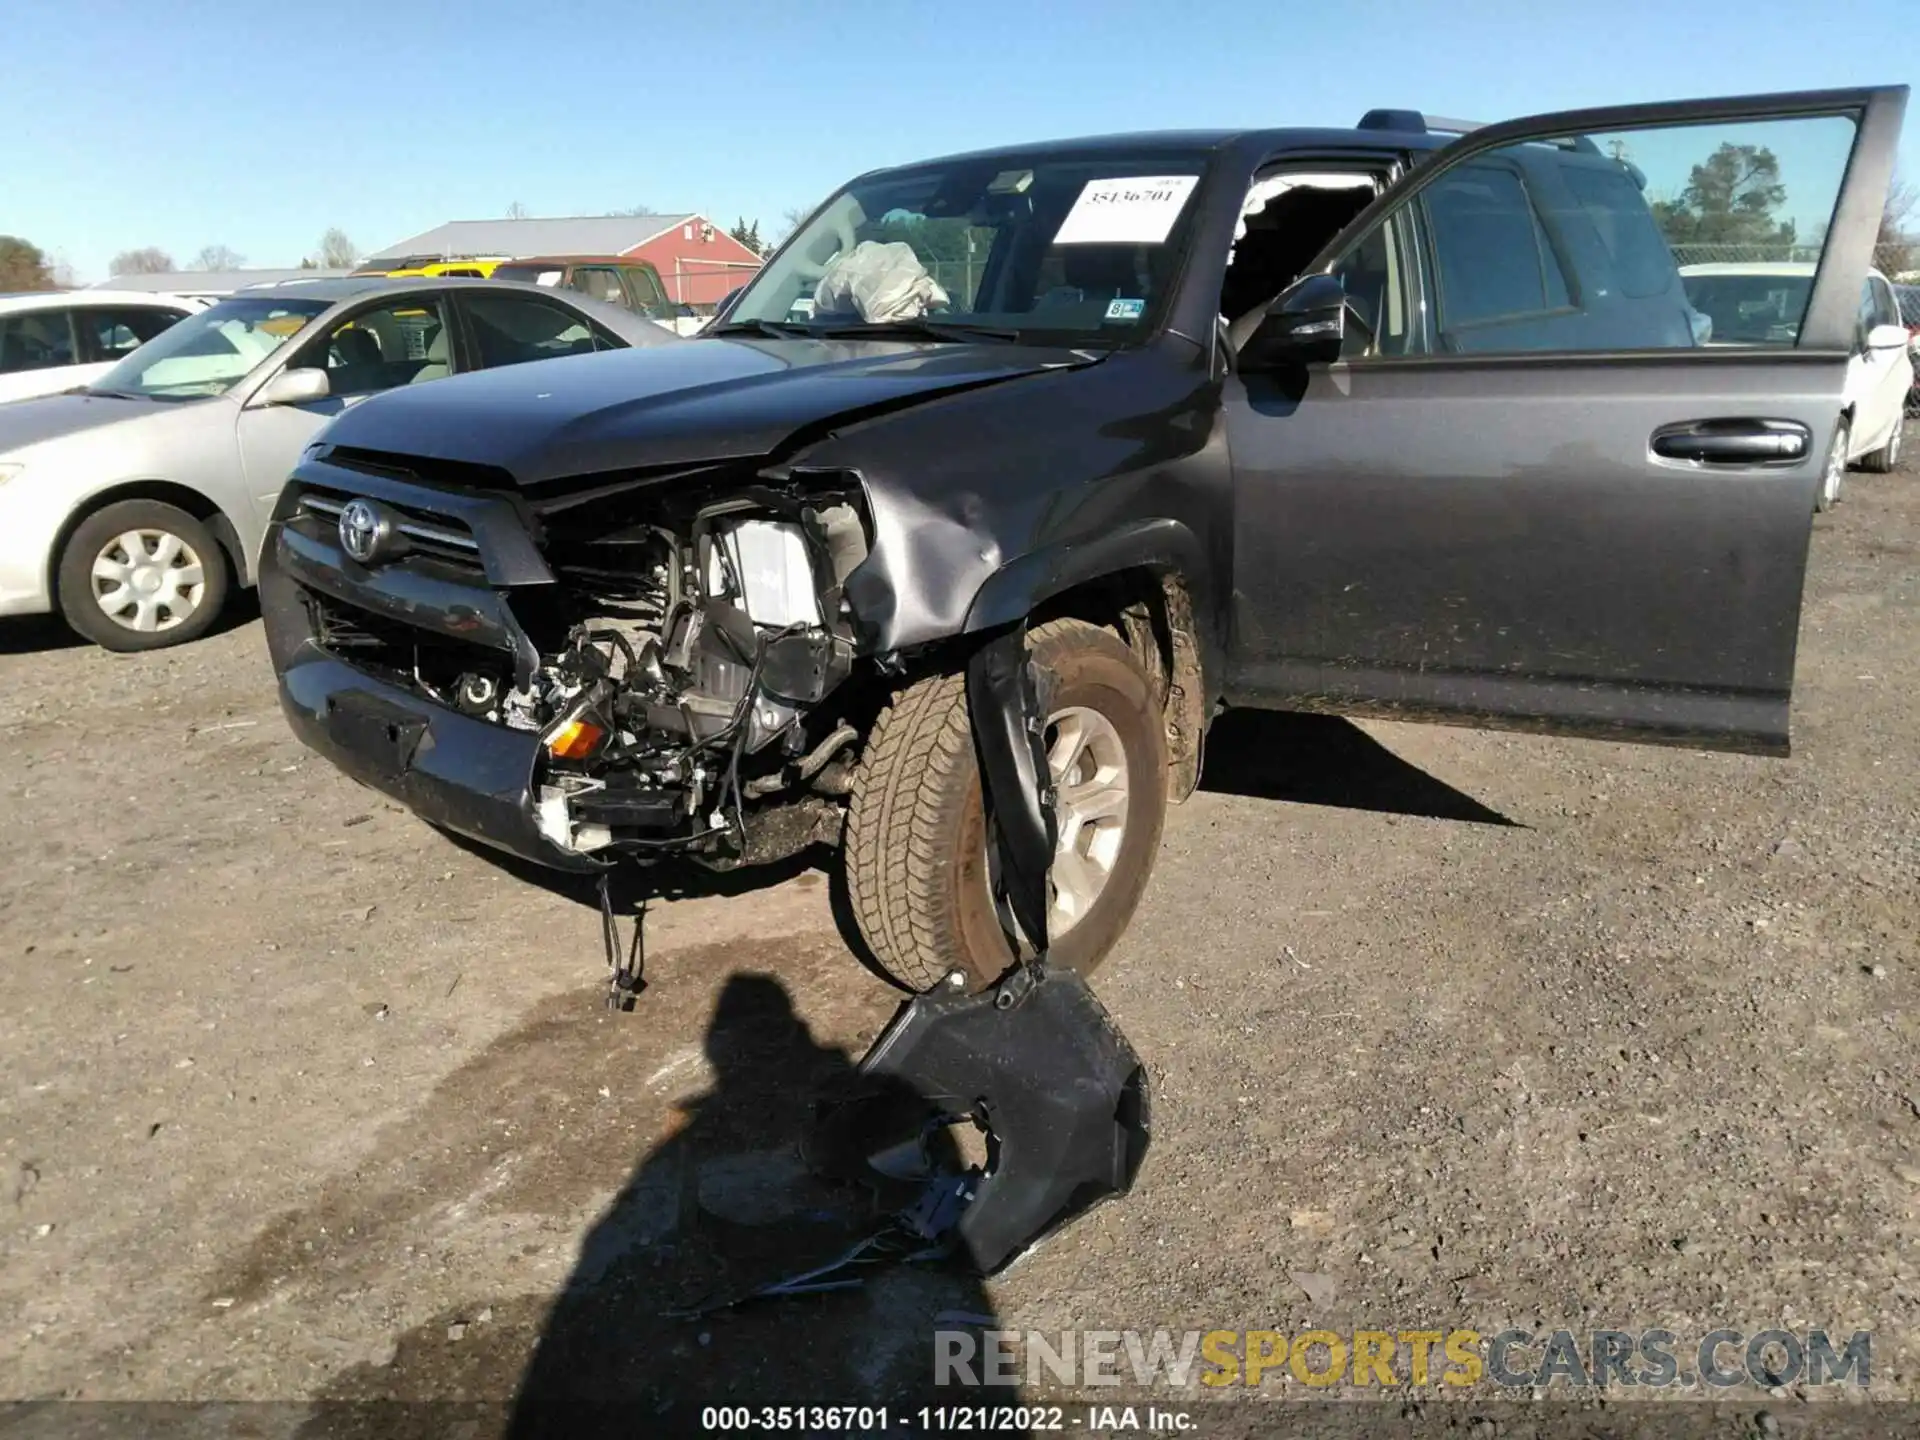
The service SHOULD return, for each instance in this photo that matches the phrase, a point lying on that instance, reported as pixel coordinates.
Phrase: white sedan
(54, 340)
(1761, 302)
(135, 506)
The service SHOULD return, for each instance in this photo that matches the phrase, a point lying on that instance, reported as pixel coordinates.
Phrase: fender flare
(1012, 592)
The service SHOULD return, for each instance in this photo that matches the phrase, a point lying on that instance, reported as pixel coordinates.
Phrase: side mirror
(295, 387)
(1887, 337)
(1306, 322)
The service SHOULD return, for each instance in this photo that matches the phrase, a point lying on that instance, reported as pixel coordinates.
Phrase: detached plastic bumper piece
(1038, 1064)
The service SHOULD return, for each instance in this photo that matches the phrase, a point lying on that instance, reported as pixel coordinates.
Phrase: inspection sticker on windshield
(1132, 210)
(1122, 308)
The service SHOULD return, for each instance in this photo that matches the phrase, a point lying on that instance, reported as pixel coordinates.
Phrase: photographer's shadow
(643, 1336)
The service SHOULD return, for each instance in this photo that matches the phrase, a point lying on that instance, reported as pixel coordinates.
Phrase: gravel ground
(307, 1102)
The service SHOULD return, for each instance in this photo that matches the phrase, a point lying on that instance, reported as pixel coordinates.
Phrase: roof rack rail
(1412, 121)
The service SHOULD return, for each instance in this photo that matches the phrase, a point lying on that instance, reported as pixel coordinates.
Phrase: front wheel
(916, 862)
(140, 575)
(1833, 476)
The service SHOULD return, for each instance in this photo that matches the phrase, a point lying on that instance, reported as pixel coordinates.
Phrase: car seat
(439, 361)
(353, 349)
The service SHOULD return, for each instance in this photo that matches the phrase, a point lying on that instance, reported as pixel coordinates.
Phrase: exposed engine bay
(678, 661)
(684, 690)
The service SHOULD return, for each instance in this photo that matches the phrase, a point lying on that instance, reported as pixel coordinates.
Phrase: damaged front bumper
(646, 686)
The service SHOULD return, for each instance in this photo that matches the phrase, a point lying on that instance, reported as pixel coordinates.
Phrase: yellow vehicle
(477, 269)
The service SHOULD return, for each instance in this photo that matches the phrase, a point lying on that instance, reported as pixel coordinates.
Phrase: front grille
(422, 660)
(439, 536)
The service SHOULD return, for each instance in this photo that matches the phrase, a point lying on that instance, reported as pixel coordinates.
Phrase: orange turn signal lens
(575, 739)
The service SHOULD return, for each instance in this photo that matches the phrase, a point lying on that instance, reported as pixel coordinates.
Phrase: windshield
(210, 353)
(1067, 250)
(1751, 309)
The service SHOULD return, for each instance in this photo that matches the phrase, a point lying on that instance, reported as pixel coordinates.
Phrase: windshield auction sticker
(1132, 210)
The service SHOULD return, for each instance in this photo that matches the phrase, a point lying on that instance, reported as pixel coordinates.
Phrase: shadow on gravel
(639, 1339)
(631, 884)
(1325, 760)
(28, 634)
(33, 634)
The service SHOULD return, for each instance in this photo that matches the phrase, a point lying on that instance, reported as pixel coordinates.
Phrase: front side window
(1083, 249)
(211, 352)
(37, 340)
(512, 329)
(1885, 310)
(107, 334)
(648, 297)
(402, 342)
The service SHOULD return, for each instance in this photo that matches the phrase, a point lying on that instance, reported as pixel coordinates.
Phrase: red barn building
(697, 260)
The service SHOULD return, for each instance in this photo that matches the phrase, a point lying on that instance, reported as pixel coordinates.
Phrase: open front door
(1533, 470)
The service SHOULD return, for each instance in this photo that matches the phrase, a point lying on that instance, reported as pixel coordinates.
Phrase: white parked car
(54, 340)
(135, 506)
(1762, 302)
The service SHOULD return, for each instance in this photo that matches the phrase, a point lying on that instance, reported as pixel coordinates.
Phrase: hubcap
(1089, 769)
(148, 580)
(1893, 445)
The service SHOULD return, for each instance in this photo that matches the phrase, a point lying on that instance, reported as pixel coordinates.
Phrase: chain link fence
(1898, 261)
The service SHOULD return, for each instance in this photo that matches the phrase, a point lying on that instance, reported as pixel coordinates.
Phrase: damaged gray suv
(1372, 421)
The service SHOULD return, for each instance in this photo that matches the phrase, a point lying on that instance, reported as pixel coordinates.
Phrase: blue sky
(258, 126)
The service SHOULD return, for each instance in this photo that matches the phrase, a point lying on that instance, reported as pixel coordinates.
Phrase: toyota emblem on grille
(364, 530)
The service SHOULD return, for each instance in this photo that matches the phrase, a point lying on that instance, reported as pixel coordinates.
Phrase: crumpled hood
(710, 399)
(51, 417)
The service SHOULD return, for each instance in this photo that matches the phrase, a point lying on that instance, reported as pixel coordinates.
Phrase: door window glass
(648, 297)
(107, 334)
(510, 329)
(1677, 236)
(601, 282)
(404, 342)
(1885, 311)
(1491, 256)
(38, 340)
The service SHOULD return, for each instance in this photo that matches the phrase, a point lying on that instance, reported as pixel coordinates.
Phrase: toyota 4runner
(1370, 421)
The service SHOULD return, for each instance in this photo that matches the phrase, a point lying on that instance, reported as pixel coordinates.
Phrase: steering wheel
(808, 269)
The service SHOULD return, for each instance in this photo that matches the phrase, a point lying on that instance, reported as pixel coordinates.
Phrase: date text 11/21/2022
(957, 1419)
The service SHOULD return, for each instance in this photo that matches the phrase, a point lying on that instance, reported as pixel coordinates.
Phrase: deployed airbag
(877, 282)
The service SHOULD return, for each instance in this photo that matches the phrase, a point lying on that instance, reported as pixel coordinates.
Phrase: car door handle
(1734, 442)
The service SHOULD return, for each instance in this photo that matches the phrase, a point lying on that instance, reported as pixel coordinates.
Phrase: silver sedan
(136, 505)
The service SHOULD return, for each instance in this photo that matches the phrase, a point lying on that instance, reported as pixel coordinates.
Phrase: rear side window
(1493, 259)
(38, 340)
(1613, 204)
(107, 334)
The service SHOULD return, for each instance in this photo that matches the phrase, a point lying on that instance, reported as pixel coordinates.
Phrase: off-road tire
(1883, 460)
(916, 865)
(74, 575)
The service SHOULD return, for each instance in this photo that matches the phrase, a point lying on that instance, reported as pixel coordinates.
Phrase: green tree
(148, 260)
(23, 266)
(747, 232)
(1730, 199)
